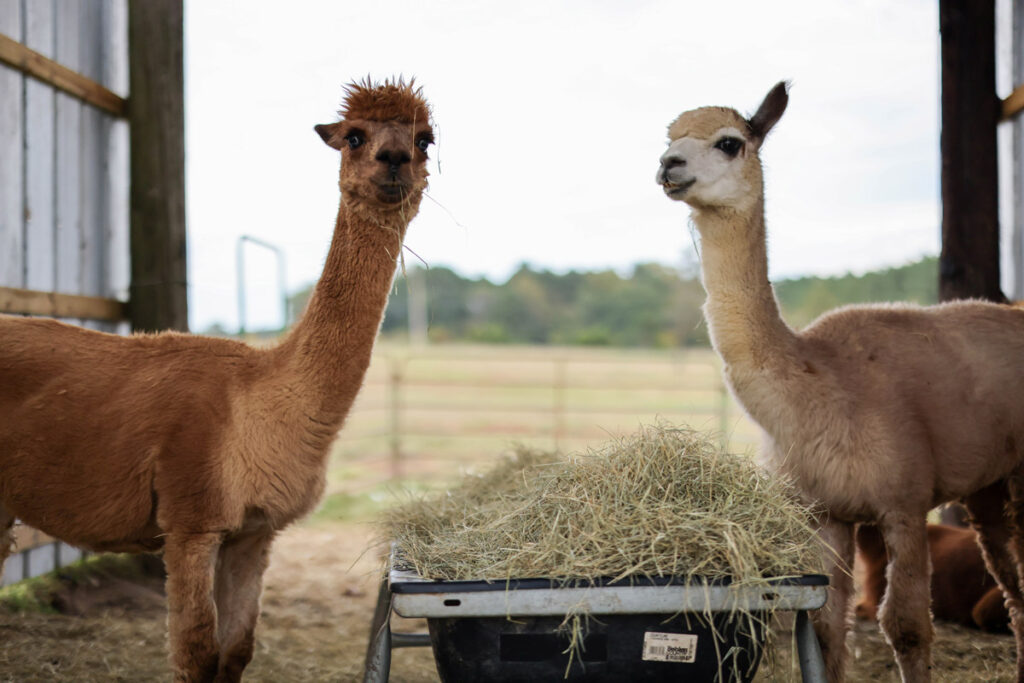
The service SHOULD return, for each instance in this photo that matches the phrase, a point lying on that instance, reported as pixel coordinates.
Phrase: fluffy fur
(206, 447)
(878, 413)
(390, 101)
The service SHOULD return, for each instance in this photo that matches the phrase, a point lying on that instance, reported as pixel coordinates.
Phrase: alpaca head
(383, 136)
(711, 161)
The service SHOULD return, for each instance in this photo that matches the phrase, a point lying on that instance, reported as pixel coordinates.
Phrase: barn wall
(1009, 77)
(1015, 153)
(63, 178)
(64, 163)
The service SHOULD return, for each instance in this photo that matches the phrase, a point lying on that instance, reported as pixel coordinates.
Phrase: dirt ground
(319, 597)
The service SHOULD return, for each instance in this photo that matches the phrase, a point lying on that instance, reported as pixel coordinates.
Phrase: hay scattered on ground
(663, 502)
(321, 591)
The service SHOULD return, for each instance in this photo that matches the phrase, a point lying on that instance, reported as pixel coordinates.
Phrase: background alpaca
(878, 413)
(207, 447)
(962, 589)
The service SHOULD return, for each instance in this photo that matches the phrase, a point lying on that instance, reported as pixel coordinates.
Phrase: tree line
(653, 306)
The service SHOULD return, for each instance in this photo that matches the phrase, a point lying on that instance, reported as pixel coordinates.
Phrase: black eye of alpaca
(354, 140)
(423, 143)
(731, 146)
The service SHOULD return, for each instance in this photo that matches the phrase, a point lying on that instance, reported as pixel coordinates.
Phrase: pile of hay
(663, 502)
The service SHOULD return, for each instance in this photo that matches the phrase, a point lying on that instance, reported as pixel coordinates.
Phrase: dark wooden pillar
(969, 264)
(156, 107)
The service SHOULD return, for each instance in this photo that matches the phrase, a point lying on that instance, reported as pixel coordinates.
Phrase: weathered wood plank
(26, 537)
(114, 15)
(969, 264)
(48, 71)
(93, 151)
(12, 571)
(40, 248)
(42, 559)
(12, 188)
(159, 295)
(55, 305)
(115, 76)
(1017, 153)
(69, 171)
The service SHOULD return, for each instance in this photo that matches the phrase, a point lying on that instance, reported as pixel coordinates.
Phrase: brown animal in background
(207, 447)
(962, 589)
(877, 413)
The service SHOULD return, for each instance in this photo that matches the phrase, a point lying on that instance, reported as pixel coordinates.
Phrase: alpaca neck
(742, 313)
(330, 347)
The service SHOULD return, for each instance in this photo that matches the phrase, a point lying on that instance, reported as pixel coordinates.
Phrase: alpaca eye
(354, 140)
(731, 146)
(423, 143)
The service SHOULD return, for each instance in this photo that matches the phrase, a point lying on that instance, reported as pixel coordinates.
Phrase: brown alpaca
(205, 447)
(962, 589)
(877, 413)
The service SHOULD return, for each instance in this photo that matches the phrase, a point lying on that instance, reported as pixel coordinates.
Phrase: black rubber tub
(631, 648)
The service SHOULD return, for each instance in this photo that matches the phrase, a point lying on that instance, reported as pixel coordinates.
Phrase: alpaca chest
(836, 472)
(279, 472)
(284, 490)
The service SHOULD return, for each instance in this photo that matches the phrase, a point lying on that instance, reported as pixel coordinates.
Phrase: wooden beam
(158, 297)
(25, 538)
(1014, 104)
(31, 302)
(42, 68)
(969, 263)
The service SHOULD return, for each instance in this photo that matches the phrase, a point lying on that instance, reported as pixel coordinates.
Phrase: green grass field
(427, 414)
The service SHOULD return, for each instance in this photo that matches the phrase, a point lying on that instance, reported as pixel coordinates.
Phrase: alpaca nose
(672, 160)
(393, 158)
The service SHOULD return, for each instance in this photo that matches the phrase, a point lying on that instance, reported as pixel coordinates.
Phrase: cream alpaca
(879, 413)
(207, 447)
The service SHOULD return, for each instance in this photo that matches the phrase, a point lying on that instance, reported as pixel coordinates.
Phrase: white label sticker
(670, 647)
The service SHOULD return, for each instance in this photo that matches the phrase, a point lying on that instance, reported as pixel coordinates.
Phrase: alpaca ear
(770, 111)
(327, 131)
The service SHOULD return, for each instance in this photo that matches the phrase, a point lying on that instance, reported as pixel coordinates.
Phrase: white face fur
(708, 172)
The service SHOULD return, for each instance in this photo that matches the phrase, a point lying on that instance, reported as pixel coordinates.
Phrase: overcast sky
(551, 117)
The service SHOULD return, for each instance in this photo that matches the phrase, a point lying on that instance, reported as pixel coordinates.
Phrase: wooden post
(724, 402)
(416, 301)
(971, 109)
(559, 407)
(396, 417)
(156, 106)
(969, 264)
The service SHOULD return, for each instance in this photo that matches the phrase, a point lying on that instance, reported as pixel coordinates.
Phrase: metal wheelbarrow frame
(410, 596)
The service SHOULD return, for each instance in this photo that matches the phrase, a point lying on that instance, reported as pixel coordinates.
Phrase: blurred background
(159, 170)
(549, 293)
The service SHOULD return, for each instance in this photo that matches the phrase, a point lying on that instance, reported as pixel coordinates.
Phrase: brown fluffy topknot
(392, 100)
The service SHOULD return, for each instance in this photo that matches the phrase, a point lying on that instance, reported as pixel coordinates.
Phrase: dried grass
(665, 501)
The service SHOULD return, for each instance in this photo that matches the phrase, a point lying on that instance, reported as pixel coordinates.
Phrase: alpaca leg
(872, 554)
(191, 612)
(988, 518)
(904, 614)
(832, 621)
(989, 613)
(1015, 512)
(6, 536)
(238, 586)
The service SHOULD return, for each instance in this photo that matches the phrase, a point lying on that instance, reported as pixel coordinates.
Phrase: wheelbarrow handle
(812, 664)
(377, 667)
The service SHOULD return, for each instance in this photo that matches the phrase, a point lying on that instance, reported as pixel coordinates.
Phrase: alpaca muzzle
(672, 174)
